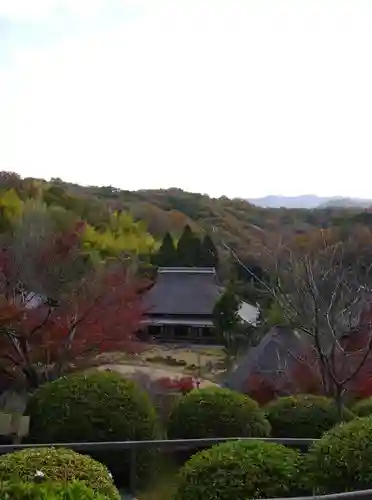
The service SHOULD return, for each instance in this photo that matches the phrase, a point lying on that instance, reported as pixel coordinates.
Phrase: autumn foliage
(303, 375)
(84, 310)
(182, 384)
(302, 379)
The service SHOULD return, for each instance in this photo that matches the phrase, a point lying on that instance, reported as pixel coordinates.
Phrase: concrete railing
(169, 445)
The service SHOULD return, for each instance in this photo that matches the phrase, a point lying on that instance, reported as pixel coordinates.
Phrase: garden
(332, 454)
(101, 426)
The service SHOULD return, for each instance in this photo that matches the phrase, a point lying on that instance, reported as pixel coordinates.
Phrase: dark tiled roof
(278, 350)
(183, 292)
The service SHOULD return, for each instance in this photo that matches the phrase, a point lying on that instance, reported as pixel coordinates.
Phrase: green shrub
(76, 490)
(57, 464)
(363, 408)
(240, 470)
(216, 412)
(100, 406)
(303, 416)
(342, 459)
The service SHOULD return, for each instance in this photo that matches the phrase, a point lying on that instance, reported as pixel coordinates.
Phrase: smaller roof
(249, 313)
(278, 350)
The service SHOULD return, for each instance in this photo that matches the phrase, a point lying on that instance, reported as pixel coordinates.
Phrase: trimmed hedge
(363, 408)
(342, 459)
(76, 490)
(215, 412)
(304, 416)
(238, 470)
(100, 406)
(60, 465)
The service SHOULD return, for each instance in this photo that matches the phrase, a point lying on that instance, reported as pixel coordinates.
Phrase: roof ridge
(186, 270)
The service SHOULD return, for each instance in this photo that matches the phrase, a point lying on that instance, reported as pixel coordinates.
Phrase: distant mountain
(308, 201)
(346, 203)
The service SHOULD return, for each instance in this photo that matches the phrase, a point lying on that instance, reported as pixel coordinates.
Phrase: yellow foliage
(123, 235)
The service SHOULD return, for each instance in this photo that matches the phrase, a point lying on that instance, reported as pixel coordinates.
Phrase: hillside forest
(81, 250)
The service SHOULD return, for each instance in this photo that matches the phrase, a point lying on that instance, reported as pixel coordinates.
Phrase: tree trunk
(338, 396)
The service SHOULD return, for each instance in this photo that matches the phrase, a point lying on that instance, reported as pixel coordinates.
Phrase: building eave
(200, 323)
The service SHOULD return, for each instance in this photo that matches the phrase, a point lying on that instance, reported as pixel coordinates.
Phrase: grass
(165, 485)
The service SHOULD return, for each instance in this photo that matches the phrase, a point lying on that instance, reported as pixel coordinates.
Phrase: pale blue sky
(234, 97)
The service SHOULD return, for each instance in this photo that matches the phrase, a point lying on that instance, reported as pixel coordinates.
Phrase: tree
(209, 253)
(10, 210)
(43, 342)
(56, 312)
(188, 249)
(40, 258)
(167, 253)
(9, 180)
(226, 321)
(323, 286)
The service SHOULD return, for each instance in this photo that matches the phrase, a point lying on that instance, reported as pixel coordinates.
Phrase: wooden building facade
(179, 307)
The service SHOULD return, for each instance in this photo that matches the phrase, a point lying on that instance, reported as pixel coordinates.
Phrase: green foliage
(122, 235)
(209, 253)
(108, 232)
(274, 315)
(225, 312)
(10, 210)
(100, 406)
(215, 412)
(75, 490)
(226, 321)
(233, 222)
(188, 249)
(240, 470)
(342, 459)
(60, 465)
(167, 253)
(363, 408)
(304, 416)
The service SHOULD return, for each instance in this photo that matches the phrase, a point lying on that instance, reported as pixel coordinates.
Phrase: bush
(59, 465)
(216, 412)
(363, 407)
(303, 416)
(238, 470)
(342, 459)
(76, 490)
(101, 406)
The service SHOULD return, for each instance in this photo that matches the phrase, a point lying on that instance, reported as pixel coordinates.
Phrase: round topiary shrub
(76, 490)
(342, 459)
(304, 416)
(100, 406)
(240, 469)
(57, 464)
(363, 408)
(215, 412)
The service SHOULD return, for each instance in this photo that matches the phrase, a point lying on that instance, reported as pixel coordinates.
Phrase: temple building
(179, 307)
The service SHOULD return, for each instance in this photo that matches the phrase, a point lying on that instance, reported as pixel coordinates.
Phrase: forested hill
(234, 222)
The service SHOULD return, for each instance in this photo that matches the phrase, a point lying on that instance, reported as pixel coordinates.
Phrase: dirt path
(155, 373)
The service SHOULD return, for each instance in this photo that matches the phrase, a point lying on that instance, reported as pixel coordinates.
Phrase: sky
(241, 98)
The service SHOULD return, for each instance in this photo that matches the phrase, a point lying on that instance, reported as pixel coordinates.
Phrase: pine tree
(189, 249)
(167, 254)
(209, 253)
(226, 322)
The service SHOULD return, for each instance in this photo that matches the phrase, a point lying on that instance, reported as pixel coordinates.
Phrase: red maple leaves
(96, 311)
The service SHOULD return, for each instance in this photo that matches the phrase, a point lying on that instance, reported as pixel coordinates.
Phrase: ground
(169, 360)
